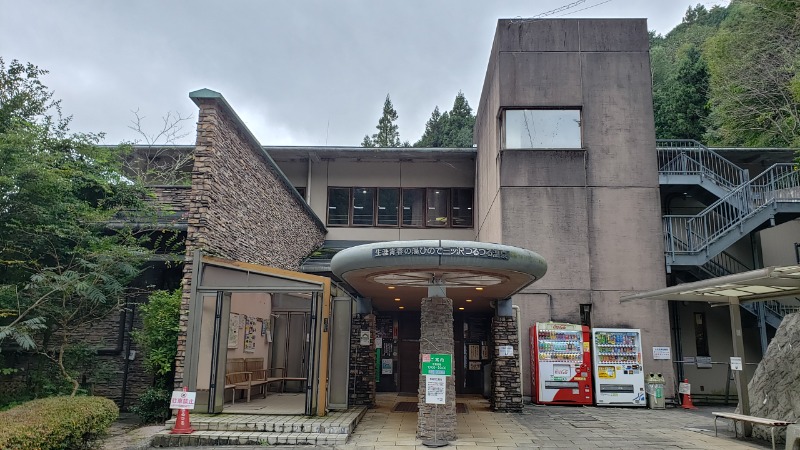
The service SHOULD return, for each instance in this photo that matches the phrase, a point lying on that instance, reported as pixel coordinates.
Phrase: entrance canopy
(769, 283)
(395, 274)
(756, 285)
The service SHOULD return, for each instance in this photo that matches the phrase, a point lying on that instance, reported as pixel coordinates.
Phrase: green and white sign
(437, 364)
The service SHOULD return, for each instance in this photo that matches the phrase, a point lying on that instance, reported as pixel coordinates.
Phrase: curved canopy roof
(477, 271)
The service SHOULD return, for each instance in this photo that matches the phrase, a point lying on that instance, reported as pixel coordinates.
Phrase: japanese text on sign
(435, 389)
(736, 363)
(437, 364)
(182, 400)
(441, 251)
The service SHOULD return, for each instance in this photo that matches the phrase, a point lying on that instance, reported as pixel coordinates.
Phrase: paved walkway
(537, 427)
(542, 427)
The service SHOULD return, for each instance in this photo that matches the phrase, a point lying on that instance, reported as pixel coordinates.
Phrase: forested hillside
(730, 75)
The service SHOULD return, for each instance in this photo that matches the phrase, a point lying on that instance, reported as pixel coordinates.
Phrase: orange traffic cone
(182, 423)
(687, 399)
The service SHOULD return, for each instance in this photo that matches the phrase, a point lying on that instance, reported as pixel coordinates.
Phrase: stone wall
(241, 206)
(775, 387)
(506, 386)
(362, 362)
(436, 336)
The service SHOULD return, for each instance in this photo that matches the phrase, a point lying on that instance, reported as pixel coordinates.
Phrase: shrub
(159, 340)
(56, 423)
(153, 405)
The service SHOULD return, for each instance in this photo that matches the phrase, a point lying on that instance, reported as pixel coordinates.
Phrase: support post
(436, 336)
(738, 350)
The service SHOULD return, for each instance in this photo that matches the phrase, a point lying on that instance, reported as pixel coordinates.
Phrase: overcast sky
(297, 72)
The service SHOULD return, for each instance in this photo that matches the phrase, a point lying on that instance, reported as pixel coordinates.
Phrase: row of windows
(404, 207)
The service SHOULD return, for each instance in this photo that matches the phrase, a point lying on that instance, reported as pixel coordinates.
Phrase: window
(542, 128)
(301, 191)
(363, 206)
(701, 334)
(339, 206)
(413, 207)
(393, 207)
(388, 204)
(461, 209)
(438, 206)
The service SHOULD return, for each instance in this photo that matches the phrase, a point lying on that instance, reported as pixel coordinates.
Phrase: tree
(156, 160)
(61, 268)
(387, 135)
(434, 130)
(682, 104)
(754, 66)
(452, 128)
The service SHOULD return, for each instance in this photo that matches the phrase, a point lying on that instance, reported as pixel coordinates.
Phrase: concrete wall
(593, 213)
(242, 207)
(777, 244)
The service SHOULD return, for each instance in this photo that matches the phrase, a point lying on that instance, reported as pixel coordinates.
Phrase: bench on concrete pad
(772, 423)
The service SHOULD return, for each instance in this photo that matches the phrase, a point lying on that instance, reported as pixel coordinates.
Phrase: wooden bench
(237, 377)
(772, 423)
(256, 366)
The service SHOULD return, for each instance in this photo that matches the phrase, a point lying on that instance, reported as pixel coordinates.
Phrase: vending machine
(618, 372)
(560, 364)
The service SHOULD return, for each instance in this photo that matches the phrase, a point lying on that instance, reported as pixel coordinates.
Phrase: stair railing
(689, 157)
(781, 182)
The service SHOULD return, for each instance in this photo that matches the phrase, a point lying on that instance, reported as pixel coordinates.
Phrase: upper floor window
(542, 128)
(405, 207)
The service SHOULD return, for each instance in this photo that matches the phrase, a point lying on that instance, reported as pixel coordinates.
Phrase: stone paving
(545, 427)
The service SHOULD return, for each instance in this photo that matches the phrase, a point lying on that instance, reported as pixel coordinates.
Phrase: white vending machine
(618, 371)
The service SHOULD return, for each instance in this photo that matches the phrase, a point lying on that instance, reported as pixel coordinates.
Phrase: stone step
(335, 423)
(207, 438)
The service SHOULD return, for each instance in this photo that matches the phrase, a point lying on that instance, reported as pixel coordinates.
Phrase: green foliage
(452, 128)
(387, 135)
(61, 268)
(56, 423)
(754, 61)
(159, 334)
(159, 340)
(153, 405)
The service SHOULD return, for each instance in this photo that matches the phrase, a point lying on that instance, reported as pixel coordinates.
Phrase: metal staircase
(694, 240)
(697, 243)
(688, 162)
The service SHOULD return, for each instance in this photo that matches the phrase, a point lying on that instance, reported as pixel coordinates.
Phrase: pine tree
(387, 135)
(434, 130)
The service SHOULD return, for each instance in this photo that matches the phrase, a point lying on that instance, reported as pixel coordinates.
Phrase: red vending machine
(561, 364)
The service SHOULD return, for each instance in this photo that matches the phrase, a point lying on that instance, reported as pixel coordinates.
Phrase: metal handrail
(693, 234)
(689, 157)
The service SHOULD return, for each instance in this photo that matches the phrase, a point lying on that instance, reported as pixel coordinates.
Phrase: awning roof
(757, 285)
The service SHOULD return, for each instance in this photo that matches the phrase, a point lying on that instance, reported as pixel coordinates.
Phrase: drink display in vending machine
(618, 372)
(560, 364)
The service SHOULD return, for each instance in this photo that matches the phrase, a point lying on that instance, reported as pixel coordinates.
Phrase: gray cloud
(296, 72)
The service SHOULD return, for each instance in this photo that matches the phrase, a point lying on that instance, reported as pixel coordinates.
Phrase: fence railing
(692, 234)
(689, 157)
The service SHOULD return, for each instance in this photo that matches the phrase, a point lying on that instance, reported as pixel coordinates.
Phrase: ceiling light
(478, 288)
(469, 300)
(402, 307)
(391, 287)
(460, 308)
(397, 299)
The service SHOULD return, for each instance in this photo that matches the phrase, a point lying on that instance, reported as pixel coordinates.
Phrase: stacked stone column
(362, 361)
(436, 336)
(506, 387)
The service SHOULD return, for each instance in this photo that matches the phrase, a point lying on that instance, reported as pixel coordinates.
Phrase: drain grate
(461, 408)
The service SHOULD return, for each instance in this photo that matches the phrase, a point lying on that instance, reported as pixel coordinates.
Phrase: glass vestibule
(232, 328)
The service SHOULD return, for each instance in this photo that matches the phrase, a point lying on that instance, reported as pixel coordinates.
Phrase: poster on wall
(474, 352)
(250, 335)
(386, 366)
(263, 327)
(233, 330)
(484, 351)
(474, 365)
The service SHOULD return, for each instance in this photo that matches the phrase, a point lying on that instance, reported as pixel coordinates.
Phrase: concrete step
(208, 438)
(257, 429)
